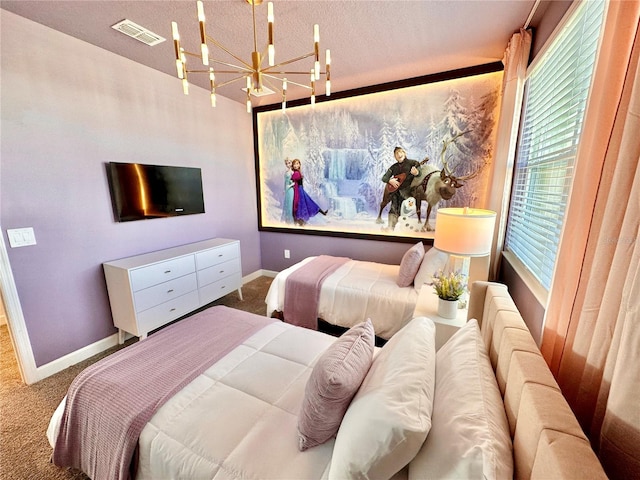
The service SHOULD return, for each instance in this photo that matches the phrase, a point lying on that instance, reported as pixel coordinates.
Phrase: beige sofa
(548, 442)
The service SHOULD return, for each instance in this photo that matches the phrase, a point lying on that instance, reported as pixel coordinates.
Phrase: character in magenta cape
(303, 205)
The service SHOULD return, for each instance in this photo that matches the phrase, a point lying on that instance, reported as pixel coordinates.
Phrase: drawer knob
(167, 271)
(223, 287)
(172, 310)
(221, 271)
(169, 291)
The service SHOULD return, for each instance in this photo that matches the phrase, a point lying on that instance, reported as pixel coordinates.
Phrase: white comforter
(354, 292)
(239, 418)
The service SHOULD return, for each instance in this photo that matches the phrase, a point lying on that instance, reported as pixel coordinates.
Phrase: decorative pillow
(470, 436)
(410, 264)
(433, 261)
(334, 381)
(390, 416)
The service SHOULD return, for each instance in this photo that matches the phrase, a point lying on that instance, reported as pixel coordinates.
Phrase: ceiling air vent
(139, 33)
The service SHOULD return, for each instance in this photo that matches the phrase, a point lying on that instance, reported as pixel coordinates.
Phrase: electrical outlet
(287, 254)
(21, 237)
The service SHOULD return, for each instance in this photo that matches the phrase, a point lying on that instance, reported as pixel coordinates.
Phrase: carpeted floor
(25, 410)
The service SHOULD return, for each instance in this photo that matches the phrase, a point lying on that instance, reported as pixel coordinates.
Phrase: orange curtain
(515, 62)
(591, 335)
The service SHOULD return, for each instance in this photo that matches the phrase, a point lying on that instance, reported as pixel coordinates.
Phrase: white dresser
(153, 289)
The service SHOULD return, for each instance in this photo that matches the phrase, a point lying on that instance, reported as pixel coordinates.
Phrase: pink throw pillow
(334, 381)
(410, 264)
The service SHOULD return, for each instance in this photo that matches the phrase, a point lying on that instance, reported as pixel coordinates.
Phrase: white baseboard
(101, 345)
(269, 273)
(258, 273)
(76, 357)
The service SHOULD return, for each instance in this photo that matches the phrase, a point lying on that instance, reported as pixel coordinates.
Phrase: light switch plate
(21, 237)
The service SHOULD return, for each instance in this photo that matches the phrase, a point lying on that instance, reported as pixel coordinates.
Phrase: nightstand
(427, 306)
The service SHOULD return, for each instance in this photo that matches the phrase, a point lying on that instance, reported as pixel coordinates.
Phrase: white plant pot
(447, 308)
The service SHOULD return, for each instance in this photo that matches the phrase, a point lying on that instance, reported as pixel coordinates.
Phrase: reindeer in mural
(432, 185)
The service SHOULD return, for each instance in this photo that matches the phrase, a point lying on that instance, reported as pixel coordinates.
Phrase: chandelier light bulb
(270, 12)
(200, 6)
(272, 55)
(204, 50)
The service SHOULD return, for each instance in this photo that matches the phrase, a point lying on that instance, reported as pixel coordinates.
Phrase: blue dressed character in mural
(303, 205)
(398, 179)
(287, 202)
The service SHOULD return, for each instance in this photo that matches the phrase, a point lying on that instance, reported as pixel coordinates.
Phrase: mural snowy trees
(346, 146)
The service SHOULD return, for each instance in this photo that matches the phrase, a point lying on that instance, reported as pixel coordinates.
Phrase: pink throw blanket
(110, 402)
(302, 290)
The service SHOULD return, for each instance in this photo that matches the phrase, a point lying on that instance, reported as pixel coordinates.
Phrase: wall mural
(324, 169)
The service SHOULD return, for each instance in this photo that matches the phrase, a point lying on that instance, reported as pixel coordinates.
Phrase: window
(556, 91)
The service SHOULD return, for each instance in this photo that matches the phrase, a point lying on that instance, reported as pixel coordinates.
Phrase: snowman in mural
(407, 220)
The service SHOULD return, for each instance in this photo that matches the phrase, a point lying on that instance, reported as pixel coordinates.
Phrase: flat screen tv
(141, 191)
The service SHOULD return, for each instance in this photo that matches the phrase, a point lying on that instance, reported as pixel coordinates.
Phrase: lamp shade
(464, 231)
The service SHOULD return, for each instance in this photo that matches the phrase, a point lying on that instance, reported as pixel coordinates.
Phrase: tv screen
(141, 191)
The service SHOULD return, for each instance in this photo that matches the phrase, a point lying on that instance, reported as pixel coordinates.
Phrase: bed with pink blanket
(354, 291)
(226, 394)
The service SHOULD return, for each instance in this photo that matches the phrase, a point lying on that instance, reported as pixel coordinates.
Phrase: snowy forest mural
(346, 145)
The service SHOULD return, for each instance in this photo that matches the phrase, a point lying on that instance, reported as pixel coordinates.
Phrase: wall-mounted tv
(141, 191)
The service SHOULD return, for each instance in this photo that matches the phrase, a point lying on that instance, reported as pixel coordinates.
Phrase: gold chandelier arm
(222, 47)
(238, 69)
(289, 81)
(222, 84)
(287, 62)
(191, 54)
(288, 72)
(255, 36)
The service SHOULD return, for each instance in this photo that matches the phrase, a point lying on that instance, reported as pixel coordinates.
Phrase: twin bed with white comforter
(281, 401)
(359, 290)
(354, 292)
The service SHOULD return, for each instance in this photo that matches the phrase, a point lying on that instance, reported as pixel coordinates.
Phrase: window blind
(556, 92)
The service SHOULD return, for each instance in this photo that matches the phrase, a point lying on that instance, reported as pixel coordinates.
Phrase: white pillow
(433, 261)
(390, 416)
(470, 436)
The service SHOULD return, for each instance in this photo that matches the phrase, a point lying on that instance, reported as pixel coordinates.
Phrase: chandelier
(259, 79)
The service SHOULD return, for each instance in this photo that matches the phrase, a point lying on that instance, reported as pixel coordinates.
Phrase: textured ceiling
(371, 41)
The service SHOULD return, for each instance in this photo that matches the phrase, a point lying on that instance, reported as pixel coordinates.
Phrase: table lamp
(464, 233)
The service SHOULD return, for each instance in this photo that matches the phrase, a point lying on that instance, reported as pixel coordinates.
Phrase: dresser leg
(240, 294)
(121, 335)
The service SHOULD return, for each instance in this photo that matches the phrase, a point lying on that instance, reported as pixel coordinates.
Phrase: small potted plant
(449, 287)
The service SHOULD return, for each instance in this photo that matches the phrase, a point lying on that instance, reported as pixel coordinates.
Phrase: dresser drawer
(218, 289)
(218, 255)
(156, 273)
(166, 312)
(217, 272)
(152, 296)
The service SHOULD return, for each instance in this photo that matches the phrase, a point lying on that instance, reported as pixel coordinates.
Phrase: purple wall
(301, 246)
(67, 109)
